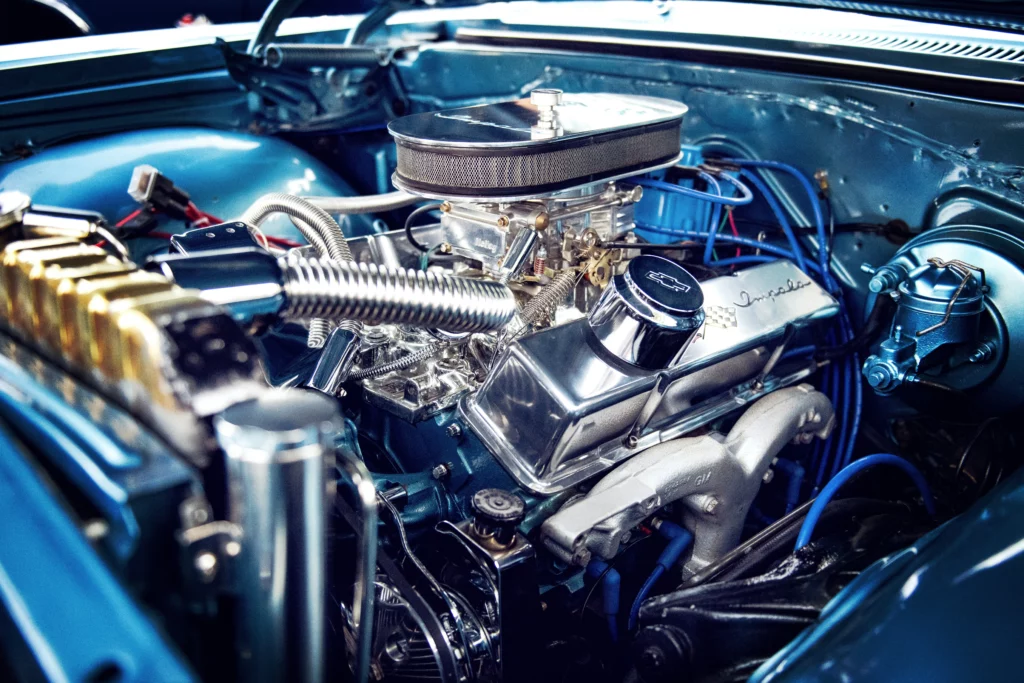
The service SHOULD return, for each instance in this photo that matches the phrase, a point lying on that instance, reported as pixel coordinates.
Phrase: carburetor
(528, 186)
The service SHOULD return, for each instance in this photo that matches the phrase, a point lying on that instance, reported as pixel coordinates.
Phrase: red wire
(124, 221)
(732, 226)
(201, 219)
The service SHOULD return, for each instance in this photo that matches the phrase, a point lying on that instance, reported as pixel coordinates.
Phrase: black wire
(647, 246)
(878, 316)
(917, 380)
(970, 445)
(408, 225)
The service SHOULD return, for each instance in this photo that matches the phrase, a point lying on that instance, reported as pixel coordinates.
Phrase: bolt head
(454, 430)
(206, 564)
(440, 471)
(652, 658)
(768, 476)
(710, 506)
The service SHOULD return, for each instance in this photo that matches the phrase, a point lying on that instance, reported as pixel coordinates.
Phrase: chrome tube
(374, 203)
(347, 291)
(319, 229)
(255, 284)
(279, 459)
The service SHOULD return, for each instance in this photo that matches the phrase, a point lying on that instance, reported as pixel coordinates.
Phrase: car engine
(568, 422)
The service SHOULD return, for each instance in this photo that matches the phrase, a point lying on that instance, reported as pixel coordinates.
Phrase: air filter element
(534, 147)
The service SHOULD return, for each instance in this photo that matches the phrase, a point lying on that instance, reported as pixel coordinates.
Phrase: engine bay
(567, 393)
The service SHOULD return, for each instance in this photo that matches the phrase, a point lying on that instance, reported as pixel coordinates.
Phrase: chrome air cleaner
(534, 147)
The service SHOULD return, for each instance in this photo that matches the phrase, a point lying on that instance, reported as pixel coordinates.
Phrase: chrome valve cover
(556, 406)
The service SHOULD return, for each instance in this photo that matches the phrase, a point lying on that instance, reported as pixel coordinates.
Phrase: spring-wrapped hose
(407, 361)
(338, 290)
(549, 297)
(319, 229)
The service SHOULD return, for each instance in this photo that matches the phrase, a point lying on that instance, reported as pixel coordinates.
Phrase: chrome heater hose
(316, 288)
(319, 229)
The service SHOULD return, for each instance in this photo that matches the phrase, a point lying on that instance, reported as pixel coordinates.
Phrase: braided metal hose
(402, 363)
(320, 230)
(548, 298)
(317, 288)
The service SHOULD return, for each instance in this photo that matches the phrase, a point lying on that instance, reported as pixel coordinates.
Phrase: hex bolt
(885, 279)
(441, 471)
(454, 430)
(652, 658)
(206, 564)
(711, 504)
(768, 476)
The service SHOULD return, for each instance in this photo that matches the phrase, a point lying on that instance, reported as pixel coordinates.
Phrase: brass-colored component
(136, 342)
(502, 221)
(46, 312)
(10, 258)
(445, 207)
(21, 268)
(81, 302)
(542, 221)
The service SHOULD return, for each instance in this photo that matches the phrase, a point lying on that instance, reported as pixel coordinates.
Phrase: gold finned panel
(137, 339)
(46, 313)
(22, 267)
(9, 261)
(77, 299)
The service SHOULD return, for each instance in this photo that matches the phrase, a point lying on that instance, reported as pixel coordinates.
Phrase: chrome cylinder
(518, 253)
(279, 453)
(348, 291)
(648, 315)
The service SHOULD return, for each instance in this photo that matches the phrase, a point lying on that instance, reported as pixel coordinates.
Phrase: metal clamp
(964, 271)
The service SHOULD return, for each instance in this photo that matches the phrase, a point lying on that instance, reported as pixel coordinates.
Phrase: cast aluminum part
(715, 477)
(279, 453)
(557, 408)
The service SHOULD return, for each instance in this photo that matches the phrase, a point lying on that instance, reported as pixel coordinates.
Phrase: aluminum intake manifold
(715, 476)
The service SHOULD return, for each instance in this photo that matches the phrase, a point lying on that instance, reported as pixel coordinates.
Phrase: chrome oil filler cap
(648, 315)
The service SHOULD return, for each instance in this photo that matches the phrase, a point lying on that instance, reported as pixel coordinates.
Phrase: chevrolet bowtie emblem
(668, 282)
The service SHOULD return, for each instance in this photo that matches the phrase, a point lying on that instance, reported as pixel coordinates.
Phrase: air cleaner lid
(548, 143)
